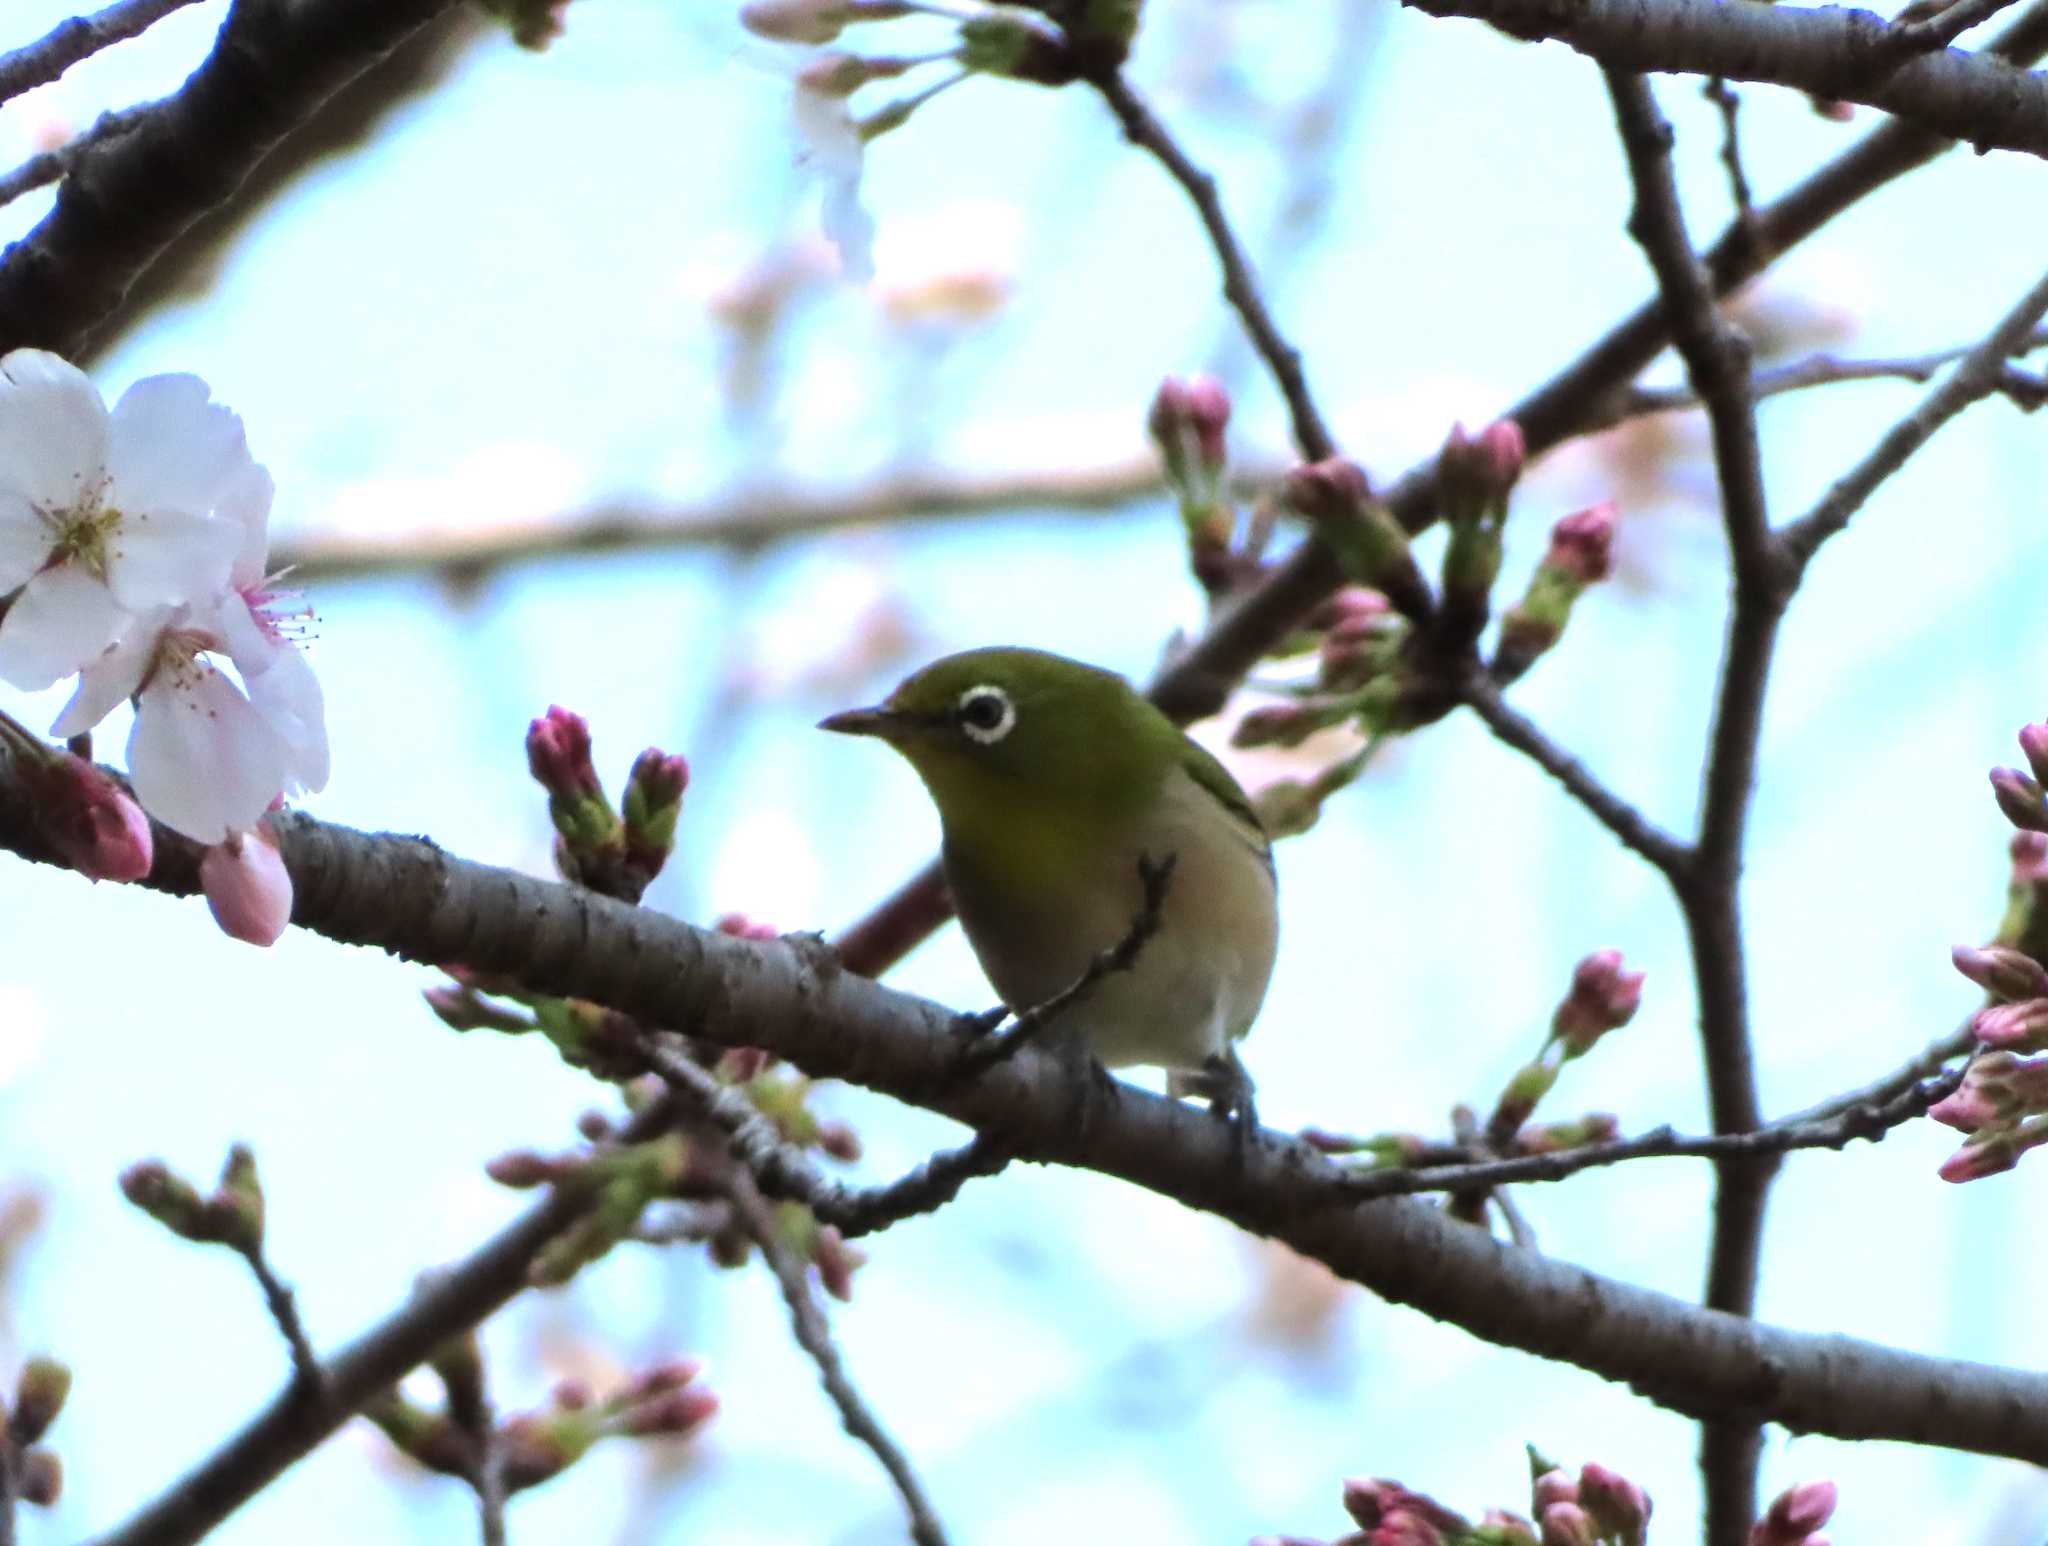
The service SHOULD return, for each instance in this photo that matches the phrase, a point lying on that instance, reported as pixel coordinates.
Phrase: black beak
(878, 721)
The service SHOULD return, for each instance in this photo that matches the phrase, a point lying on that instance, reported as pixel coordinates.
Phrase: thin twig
(1923, 1065)
(1144, 130)
(1931, 33)
(284, 1310)
(1729, 102)
(489, 1483)
(1635, 831)
(1857, 1116)
(41, 170)
(994, 1046)
(1977, 377)
(784, 1171)
(814, 1336)
(81, 37)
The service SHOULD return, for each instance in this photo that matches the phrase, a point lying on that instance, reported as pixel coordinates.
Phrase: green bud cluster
(232, 1215)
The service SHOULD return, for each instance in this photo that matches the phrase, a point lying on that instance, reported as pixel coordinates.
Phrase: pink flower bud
(1984, 1098)
(247, 886)
(2001, 970)
(795, 21)
(2021, 799)
(1974, 1161)
(1619, 1507)
(1603, 998)
(672, 1414)
(1794, 1515)
(523, 1168)
(571, 1395)
(2021, 1027)
(740, 926)
(1482, 470)
(1332, 490)
(839, 1141)
(1396, 1514)
(2029, 857)
(1508, 1529)
(1582, 544)
(1558, 1486)
(662, 1378)
(1567, 1524)
(836, 1262)
(1208, 414)
(2034, 743)
(42, 1477)
(558, 753)
(661, 777)
(90, 821)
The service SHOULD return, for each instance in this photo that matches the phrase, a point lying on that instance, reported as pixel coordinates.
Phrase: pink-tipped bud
(1985, 1098)
(2029, 852)
(1501, 1527)
(839, 1141)
(2034, 743)
(1603, 998)
(247, 886)
(1582, 544)
(1478, 472)
(1558, 1486)
(662, 1378)
(741, 926)
(1327, 491)
(558, 753)
(795, 21)
(1383, 1507)
(837, 1262)
(1986, 1155)
(672, 1414)
(1619, 1507)
(659, 776)
(1794, 1515)
(1567, 1524)
(2020, 798)
(524, 1168)
(2021, 1027)
(42, 1478)
(2001, 971)
(1208, 415)
(90, 820)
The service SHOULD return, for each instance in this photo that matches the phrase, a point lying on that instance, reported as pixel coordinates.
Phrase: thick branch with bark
(129, 196)
(414, 900)
(1831, 51)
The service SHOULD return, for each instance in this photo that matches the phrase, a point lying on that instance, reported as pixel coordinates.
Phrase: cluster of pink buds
(1187, 423)
(1598, 1507)
(663, 1402)
(1796, 1516)
(616, 852)
(2002, 1102)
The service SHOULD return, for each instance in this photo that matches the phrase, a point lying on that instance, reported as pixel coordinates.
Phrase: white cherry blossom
(104, 516)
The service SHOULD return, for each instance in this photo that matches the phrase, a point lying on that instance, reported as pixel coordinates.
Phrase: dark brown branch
(1729, 104)
(1948, 23)
(814, 1335)
(79, 38)
(1628, 824)
(129, 196)
(1833, 52)
(1977, 377)
(417, 901)
(1717, 359)
(1144, 130)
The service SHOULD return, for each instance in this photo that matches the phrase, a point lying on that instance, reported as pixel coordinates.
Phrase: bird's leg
(1224, 1082)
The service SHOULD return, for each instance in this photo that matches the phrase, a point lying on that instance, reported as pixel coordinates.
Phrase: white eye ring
(971, 710)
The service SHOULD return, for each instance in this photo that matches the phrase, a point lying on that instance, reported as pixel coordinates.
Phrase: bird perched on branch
(1063, 793)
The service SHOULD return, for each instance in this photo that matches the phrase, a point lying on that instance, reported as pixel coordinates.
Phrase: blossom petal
(203, 760)
(168, 555)
(62, 618)
(170, 446)
(246, 503)
(114, 674)
(53, 430)
(25, 540)
(289, 696)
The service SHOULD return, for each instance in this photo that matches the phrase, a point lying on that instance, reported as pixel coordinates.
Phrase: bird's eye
(985, 714)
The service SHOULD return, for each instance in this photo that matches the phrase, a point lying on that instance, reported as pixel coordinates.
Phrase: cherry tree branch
(1830, 51)
(1240, 288)
(80, 37)
(128, 196)
(1717, 360)
(414, 900)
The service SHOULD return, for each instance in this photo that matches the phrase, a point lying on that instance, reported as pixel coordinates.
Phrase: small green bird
(1056, 784)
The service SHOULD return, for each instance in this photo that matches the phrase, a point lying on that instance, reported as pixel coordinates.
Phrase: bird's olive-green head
(999, 734)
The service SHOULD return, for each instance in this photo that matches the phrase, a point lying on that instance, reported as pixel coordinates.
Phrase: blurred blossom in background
(596, 282)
